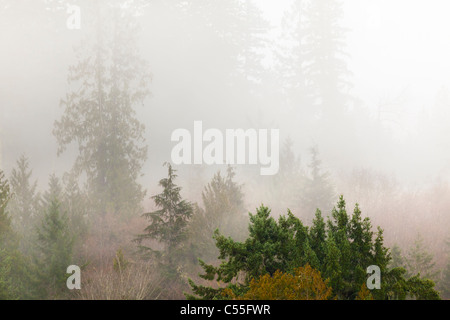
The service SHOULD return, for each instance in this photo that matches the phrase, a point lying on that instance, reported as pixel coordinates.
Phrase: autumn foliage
(305, 284)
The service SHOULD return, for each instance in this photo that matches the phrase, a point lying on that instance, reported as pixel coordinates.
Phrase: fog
(373, 97)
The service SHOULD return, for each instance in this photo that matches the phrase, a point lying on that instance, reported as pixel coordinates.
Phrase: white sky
(395, 46)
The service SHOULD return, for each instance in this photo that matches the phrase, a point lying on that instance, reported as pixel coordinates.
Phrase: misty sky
(398, 53)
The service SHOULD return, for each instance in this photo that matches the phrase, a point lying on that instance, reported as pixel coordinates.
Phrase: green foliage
(53, 193)
(76, 205)
(422, 288)
(108, 81)
(317, 190)
(6, 287)
(7, 291)
(24, 205)
(223, 209)
(341, 250)
(444, 284)
(397, 258)
(14, 270)
(54, 252)
(168, 224)
(420, 261)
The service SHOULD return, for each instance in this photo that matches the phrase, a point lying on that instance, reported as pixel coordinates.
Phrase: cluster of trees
(340, 248)
(33, 264)
(261, 258)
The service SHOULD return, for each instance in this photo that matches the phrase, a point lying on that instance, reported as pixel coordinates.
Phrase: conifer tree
(76, 204)
(54, 252)
(24, 204)
(420, 260)
(53, 193)
(317, 191)
(324, 53)
(167, 224)
(397, 259)
(14, 271)
(107, 82)
(445, 278)
(342, 249)
(223, 209)
(6, 287)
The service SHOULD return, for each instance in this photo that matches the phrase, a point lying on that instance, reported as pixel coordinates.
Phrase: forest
(118, 157)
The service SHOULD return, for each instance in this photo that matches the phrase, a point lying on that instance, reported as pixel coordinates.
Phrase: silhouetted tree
(168, 225)
(54, 252)
(317, 192)
(24, 205)
(108, 81)
(223, 203)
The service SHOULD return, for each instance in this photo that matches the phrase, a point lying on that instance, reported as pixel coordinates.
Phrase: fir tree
(54, 252)
(108, 81)
(341, 249)
(14, 271)
(53, 193)
(317, 191)
(223, 209)
(397, 259)
(445, 277)
(6, 286)
(76, 204)
(24, 205)
(168, 224)
(323, 51)
(420, 261)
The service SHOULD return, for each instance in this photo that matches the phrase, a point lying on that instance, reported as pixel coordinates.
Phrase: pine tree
(5, 220)
(108, 81)
(168, 224)
(6, 287)
(24, 205)
(54, 252)
(397, 259)
(270, 246)
(324, 54)
(223, 209)
(420, 260)
(317, 192)
(318, 236)
(76, 204)
(53, 193)
(342, 249)
(14, 272)
(284, 186)
(445, 277)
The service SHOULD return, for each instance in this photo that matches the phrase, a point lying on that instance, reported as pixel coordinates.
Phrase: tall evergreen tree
(108, 81)
(223, 203)
(345, 246)
(24, 205)
(317, 192)
(398, 260)
(53, 193)
(420, 260)
(76, 204)
(324, 54)
(168, 224)
(445, 279)
(14, 271)
(6, 287)
(54, 252)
